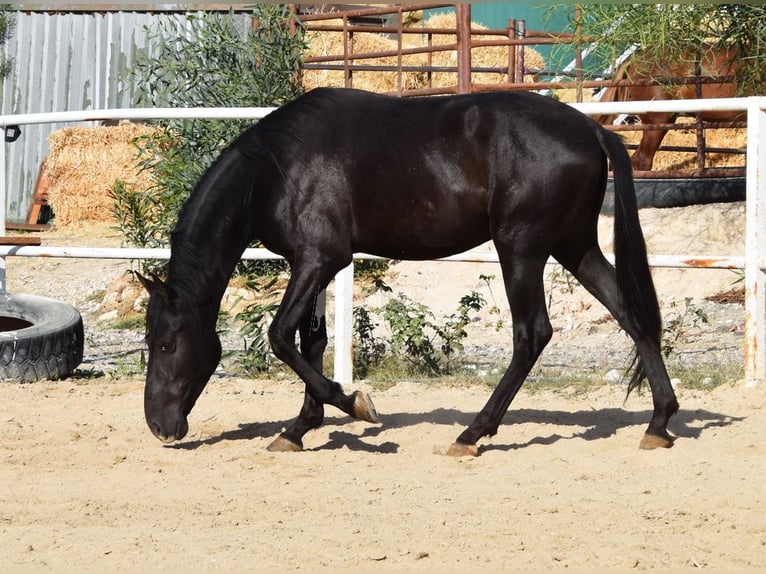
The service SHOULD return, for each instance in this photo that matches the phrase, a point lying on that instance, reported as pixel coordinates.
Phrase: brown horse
(655, 82)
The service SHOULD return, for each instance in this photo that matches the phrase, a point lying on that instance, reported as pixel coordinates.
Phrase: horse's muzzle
(177, 433)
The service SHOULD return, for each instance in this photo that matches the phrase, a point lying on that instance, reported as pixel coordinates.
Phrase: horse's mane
(213, 228)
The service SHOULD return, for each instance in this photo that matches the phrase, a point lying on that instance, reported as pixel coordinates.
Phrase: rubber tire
(51, 347)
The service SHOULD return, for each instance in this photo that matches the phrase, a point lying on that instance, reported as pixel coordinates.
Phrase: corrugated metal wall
(63, 62)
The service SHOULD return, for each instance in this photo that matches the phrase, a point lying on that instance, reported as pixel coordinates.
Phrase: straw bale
(726, 138)
(486, 56)
(721, 138)
(82, 165)
(331, 43)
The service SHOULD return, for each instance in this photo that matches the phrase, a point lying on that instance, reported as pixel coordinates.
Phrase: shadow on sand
(586, 424)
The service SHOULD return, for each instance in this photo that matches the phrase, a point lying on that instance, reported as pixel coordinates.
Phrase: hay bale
(726, 138)
(82, 165)
(485, 56)
(331, 44)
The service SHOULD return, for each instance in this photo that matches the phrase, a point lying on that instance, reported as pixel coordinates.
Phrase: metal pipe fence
(753, 261)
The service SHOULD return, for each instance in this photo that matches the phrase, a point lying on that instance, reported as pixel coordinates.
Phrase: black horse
(340, 171)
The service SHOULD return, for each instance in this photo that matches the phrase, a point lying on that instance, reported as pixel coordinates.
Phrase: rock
(108, 316)
(141, 302)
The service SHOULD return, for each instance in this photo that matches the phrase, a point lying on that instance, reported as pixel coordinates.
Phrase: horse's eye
(166, 347)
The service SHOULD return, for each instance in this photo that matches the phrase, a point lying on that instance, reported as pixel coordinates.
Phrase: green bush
(665, 32)
(426, 345)
(369, 350)
(140, 217)
(216, 60)
(7, 28)
(256, 317)
(206, 59)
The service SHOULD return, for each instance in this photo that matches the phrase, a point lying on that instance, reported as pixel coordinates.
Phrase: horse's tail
(633, 276)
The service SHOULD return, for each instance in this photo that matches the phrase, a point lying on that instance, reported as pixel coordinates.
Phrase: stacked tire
(40, 338)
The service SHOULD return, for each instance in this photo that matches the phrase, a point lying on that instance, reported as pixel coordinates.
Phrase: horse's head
(184, 351)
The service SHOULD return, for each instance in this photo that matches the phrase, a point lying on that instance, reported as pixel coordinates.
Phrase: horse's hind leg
(643, 157)
(597, 275)
(531, 332)
(296, 308)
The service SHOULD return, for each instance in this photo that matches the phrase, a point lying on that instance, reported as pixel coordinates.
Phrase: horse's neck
(199, 280)
(213, 230)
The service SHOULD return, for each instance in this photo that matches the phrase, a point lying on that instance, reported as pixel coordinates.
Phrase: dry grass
(728, 138)
(82, 165)
(331, 43)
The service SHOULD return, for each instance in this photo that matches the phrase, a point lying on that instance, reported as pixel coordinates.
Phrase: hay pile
(727, 138)
(84, 162)
(82, 165)
(331, 44)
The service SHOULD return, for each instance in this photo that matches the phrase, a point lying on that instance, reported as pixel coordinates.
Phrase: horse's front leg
(313, 336)
(303, 308)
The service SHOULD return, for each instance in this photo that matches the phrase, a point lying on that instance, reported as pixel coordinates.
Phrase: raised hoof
(460, 449)
(281, 444)
(364, 410)
(652, 441)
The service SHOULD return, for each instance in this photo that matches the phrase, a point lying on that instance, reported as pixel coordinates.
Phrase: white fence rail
(753, 261)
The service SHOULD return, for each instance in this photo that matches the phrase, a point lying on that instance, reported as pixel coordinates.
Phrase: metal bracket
(12, 133)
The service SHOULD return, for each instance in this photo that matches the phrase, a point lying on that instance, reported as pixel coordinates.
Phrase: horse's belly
(410, 236)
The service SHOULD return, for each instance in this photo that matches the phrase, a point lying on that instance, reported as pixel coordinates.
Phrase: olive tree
(665, 32)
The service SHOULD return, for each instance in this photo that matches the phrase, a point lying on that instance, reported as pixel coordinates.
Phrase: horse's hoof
(281, 444)
(364, 409)
(460, 449)
(652, 441)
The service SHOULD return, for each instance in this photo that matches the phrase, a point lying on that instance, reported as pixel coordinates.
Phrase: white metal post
(344, 326)
(2, 207)
(755, 243)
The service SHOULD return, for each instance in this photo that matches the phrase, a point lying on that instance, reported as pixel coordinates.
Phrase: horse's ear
(147, 283)
(154, 285)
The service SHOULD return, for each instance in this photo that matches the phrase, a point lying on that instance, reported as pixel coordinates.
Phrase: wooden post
(578, 53)
(463, 16)
(399, 35)
(511, 51)
(521, 32)
(347, 49)
(698, 117)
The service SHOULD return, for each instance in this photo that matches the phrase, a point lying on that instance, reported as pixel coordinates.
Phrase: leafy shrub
(680, 324)
(205, 59)
(369, 350)
(140, 216)
(7, 29)
(257, 356)
(426, 345)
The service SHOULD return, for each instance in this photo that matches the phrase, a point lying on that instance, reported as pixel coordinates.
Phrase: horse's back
(423, 177)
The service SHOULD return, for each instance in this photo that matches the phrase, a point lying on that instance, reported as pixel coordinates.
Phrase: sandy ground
(85, 486)
(562, 485)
